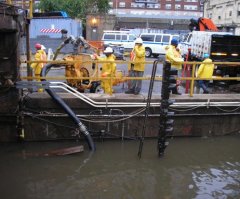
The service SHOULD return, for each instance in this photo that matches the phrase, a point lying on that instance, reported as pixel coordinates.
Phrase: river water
(198, 168)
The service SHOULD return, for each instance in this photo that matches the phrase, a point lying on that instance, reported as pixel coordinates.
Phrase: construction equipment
(84, 67)
(202, 24)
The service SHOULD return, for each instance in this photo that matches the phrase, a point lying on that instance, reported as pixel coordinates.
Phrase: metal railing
(97, 76)
(24, 4)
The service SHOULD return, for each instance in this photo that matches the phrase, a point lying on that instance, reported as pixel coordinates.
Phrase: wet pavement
(199, 168)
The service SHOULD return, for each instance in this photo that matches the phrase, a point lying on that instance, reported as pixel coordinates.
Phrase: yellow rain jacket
(205, 69)
(108, 70)
(40, 55)
(174, 57)
(139, 57)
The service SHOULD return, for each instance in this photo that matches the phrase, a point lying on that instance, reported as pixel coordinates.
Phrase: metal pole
(29, 70)
(192, 80)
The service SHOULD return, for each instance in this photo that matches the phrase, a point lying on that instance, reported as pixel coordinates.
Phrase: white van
(155, 43)
(123, 38)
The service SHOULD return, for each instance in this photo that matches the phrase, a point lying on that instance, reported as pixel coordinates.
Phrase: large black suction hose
(68, 110)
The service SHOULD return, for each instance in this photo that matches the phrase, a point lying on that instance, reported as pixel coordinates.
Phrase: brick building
(158, 14)
(174, 5)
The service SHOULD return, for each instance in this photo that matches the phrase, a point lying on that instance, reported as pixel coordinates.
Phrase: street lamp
(94, 22)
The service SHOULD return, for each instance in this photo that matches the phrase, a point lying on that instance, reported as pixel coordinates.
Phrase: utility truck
(221, 46)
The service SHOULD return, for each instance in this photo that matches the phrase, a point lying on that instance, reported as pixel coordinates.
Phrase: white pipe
(139, 104)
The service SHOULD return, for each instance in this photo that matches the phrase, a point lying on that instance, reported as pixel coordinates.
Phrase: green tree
(75, 8)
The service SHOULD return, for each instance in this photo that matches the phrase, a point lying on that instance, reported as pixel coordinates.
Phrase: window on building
(230, 13)
(190, 0)
(122, 4)
(177, 6)
(168, 6)
(146, 1)
(153, 6)
(178, 0)
(190, 7)
(150, 6)
(219, 17)
(137, 5)
(133, 5)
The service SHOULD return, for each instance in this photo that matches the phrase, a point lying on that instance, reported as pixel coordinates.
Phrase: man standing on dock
(138, 67)
(205, 71)
(108, 69)
(39, 56)
(174, 57)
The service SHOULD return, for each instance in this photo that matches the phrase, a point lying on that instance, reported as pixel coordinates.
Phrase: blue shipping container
(51, 27)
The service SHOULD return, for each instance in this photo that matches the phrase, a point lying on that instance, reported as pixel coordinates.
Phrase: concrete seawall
(201, 115)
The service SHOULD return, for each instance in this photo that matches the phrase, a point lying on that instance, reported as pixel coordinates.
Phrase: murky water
(198, 168)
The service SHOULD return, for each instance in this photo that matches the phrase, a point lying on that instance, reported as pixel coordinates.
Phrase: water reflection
(192, 168)
(222, 182)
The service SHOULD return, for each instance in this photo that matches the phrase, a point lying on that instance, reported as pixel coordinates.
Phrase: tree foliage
(75, 8)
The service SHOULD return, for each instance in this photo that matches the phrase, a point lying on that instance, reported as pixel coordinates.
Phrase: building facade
(224, 13)
(155, 14)
(174, 5)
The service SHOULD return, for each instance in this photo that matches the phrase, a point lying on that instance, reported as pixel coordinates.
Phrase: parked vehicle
(123, 38)
(221, 46)
(155, 43)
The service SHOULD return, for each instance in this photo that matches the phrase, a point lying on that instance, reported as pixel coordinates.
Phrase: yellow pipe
(122, 62)
(9, 2)
(192, 80)
(30, 15)
(90, 78)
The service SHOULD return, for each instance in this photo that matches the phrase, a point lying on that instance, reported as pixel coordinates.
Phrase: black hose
(68, 110)
(46, 69)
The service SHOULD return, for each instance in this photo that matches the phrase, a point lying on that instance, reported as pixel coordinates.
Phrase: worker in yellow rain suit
(108, 70)
(173, 56)
(138, 67)
(37, 67)
(205, 71)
